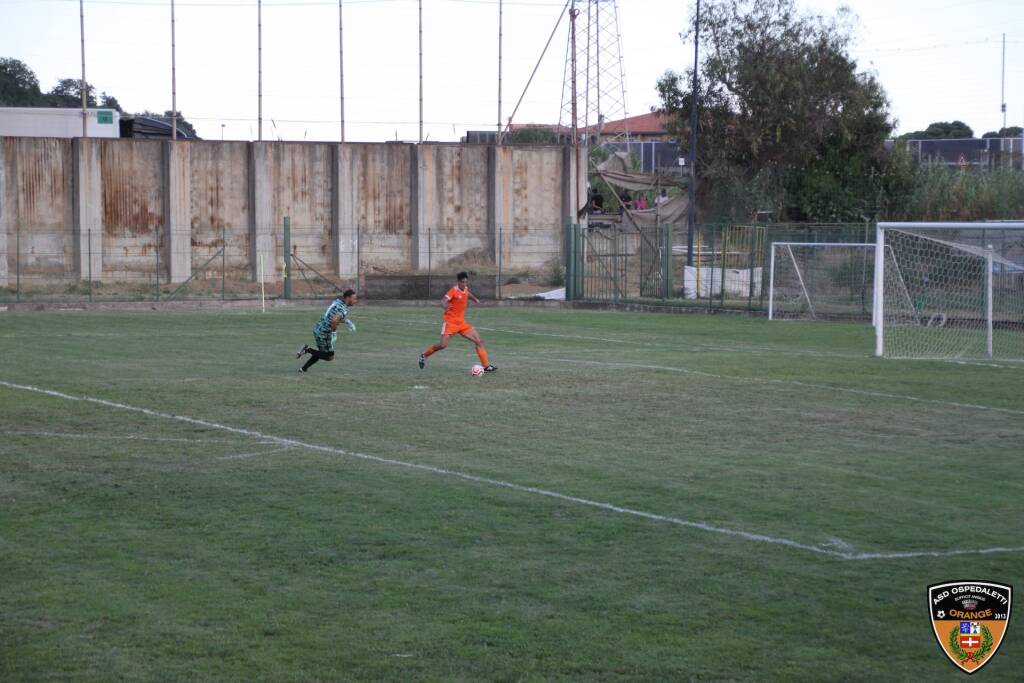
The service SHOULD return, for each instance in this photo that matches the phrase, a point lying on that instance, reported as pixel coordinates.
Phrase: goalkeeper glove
(351, 325)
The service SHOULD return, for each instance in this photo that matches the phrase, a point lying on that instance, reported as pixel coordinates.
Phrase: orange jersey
(457, 301)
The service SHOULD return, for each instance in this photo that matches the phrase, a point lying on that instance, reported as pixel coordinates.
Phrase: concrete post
(261, 220)
(345, 229)
(7, 219)
(492, 204)
(420, 170)
(87, 199)
(178, 209)
(499, 208)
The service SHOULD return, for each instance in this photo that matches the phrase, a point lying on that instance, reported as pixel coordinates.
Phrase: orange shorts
(449, 329)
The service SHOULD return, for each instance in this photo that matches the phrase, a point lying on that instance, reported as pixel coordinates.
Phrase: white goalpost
(949, 290)
(821, 281)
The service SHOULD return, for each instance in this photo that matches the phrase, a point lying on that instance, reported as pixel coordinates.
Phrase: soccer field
(631, 496)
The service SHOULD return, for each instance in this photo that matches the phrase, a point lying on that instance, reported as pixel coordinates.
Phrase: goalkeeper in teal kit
(325, 331)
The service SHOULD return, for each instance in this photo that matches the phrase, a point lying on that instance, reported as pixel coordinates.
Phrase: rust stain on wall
(220, 202)
(460, 188)
(44, 181)
(384, 202)
(132, 187)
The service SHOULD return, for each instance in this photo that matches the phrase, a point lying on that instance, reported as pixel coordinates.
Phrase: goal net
(821, 281)
(950, 290)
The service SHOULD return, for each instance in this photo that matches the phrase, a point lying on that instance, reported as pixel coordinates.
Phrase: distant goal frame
(826, 245)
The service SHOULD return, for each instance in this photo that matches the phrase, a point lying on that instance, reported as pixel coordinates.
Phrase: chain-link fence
(727, 267)
(278, 261)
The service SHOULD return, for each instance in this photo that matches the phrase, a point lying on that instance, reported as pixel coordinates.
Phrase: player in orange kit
(455, 302)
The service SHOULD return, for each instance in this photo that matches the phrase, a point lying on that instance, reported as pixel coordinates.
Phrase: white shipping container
(46, 122)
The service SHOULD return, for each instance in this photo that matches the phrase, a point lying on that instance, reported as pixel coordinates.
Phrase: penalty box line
(702, 526)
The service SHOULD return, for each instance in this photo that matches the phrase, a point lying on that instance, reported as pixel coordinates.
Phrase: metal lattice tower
(600, 79)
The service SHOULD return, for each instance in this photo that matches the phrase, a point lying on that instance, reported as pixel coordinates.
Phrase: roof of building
(651, 123)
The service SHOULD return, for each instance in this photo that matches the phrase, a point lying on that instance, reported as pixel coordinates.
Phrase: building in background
(55, 122)
(47, 122)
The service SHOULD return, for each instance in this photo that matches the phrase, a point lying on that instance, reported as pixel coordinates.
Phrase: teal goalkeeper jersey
(337, 307)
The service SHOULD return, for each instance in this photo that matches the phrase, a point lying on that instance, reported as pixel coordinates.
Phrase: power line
(249, 4)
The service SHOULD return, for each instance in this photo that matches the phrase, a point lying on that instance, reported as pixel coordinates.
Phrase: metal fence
(728, 267)
(217, 263)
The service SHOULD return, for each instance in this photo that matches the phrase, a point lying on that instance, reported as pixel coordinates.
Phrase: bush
(554, 273)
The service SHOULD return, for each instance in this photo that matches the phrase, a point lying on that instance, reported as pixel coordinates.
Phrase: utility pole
(84, 85)
(1002, 94)
(573, 13)
(690, 225)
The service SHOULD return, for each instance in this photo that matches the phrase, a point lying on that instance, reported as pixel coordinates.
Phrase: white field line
(703, 526)
(241, 456)
(102, 437)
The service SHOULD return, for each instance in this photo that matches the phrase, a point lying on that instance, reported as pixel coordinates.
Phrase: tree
(941, 130)
(533, 135)
(786, 121)
(19, 86)
(1011, 132)
(110, 102)
(183, 125)
(68, 93)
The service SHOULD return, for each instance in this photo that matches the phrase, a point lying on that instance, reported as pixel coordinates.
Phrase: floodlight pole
(259, 71)
(174, 85)
(341, 70)
(690, 217)
(84, 85)
(500, 37)
(421, 69)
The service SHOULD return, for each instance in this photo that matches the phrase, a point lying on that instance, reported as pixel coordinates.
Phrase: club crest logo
(969, 619)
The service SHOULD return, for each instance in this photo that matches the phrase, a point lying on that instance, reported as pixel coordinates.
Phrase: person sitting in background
(627, 201)
(641, 202)
(661, 198)
(596, 202)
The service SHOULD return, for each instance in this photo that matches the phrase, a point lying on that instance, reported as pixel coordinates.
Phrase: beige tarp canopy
(614, 171)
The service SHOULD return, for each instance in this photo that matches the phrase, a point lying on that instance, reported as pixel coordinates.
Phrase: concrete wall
(529, 199)
(219, 213)
(353, 208)
(377, 203)
(454, 204)
(133, 191)
(36, 181)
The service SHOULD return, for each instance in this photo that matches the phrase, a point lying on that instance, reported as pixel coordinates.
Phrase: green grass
(141, 547)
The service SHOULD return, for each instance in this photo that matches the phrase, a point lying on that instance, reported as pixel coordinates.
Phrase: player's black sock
(312, 359)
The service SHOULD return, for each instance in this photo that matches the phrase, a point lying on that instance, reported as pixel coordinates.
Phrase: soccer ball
(476, 370)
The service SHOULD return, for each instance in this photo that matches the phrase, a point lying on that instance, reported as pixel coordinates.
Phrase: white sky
(938, 60)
